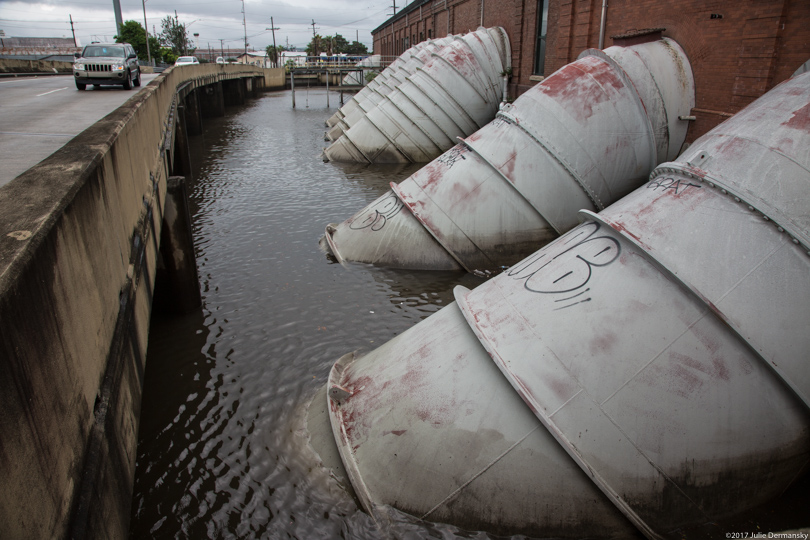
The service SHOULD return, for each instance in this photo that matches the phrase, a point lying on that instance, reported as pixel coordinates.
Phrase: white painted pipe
(455, 93)
(583, 138)
(661, 346)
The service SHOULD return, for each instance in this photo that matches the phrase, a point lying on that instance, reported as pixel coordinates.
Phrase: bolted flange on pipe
(584, 137)
(454, 93)
(647, 369)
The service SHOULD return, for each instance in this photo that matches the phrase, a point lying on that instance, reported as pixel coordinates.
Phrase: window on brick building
(421, 37)
(430, 33)
(540, 47)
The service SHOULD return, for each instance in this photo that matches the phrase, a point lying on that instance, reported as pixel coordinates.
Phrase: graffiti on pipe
(671, 183)
(453, 155)
(379, 214)
(569, 271)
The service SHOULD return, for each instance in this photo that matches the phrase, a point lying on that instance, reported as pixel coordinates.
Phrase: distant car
(186, 61)
(221, 60)
(107, 63)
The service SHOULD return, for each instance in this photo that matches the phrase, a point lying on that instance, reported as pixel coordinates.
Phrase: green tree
(316, 46)
(356, 49)
(273, 52)
(174, 36)
(337, 44)
(133, 33)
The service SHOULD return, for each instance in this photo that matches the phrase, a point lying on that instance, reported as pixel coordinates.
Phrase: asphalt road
(38, 115)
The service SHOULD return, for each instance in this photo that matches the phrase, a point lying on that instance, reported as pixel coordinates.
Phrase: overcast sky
(213, 20)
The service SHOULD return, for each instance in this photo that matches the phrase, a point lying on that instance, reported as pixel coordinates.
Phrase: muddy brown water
(221, 451)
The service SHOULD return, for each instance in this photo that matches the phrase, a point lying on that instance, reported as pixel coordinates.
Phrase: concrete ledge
(79, 235)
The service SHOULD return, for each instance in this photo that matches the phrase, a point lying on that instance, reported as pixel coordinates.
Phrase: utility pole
(146, 31)
(244, 23)
(313, 28)
(273, 28)
(72, 31)
(221, 48)
(395, 6)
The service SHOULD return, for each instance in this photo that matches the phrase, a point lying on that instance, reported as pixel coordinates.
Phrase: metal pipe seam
(620, 70)
(489, 84)
(693, 291)
(429, 97)
(391, 140)
(421, 211)
(481, 155)
(781, 222)
(460, 58)
(448, 97)
(402, 64)
(642, 463)
(427, 116)
(556, 154)
(368, 98)
(418, 126)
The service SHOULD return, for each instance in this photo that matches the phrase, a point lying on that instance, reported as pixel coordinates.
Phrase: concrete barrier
(79, 235)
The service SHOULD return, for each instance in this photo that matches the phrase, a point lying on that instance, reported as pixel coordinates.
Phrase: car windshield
(97, 51)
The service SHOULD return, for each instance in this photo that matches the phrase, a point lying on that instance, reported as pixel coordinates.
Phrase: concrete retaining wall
(9, 65)
(79, 235)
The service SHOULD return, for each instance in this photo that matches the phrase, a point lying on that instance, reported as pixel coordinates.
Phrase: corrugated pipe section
(382, 85)
(648, 369)
(456, 91)
(358, 77)
(583, 138)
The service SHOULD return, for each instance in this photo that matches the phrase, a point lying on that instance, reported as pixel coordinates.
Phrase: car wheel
(137, 81)
(128, 81)
(80, 86)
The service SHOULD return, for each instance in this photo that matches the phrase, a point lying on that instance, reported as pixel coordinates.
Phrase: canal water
(221, 451)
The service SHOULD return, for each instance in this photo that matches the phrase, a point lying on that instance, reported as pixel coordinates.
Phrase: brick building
(739, 49)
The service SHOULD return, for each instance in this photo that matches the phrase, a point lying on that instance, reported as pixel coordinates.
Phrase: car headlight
(79, 67)
(118, 67)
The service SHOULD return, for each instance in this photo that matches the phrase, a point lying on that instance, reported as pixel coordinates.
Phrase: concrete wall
(8, 65)
(78, 241)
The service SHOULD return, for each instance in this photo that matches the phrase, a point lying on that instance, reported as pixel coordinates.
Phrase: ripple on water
(221, 453)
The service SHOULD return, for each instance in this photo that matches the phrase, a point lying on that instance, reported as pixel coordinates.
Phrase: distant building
(738, 50)
(297, 58)
(254, 58)
(36, 42)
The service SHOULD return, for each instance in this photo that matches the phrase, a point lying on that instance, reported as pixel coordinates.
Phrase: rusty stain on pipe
(582, 138)
(661, 345)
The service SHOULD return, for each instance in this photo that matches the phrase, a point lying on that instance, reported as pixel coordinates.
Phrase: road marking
(52, 91)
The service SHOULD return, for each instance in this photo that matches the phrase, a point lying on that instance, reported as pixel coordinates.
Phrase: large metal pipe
(583, 138)
(389, 78)
(661, 345)
(382, 85)
(455, 93)
(358, 77)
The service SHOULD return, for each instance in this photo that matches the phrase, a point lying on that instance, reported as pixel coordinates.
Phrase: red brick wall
(735, 58)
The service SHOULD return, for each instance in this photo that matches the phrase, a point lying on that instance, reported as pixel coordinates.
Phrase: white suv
(107, 63)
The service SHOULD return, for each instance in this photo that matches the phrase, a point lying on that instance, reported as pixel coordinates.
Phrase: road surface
(38, 115)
